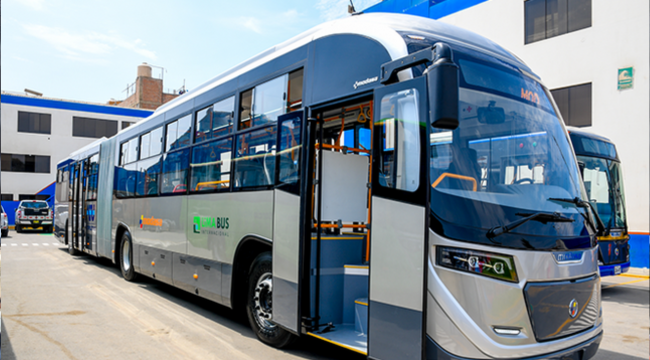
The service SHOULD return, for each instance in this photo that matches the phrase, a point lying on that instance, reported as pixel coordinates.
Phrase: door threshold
(346, 337)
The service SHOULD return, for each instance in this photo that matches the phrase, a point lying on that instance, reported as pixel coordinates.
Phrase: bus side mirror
(442, 78)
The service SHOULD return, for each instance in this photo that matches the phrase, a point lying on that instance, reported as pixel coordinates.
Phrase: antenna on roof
(351, 9)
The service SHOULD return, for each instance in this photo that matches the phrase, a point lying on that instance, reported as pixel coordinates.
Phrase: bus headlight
(497, 266)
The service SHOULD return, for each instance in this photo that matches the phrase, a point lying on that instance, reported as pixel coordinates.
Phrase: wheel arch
(119, 232)
(247, 250)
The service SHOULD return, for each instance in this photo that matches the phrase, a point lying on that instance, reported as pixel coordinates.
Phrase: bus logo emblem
(365, 82)
(573, 308)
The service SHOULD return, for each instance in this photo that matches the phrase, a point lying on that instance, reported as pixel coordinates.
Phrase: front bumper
(610, 270)
(583, 351)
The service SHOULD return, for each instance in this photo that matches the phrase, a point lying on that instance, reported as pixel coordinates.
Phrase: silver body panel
(286, 259)
(474, 304)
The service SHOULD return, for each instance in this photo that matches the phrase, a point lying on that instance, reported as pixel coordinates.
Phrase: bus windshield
(603, 181)
(507, 158)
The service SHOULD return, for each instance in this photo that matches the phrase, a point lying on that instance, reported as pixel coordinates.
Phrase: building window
(7, 197)
(126, 124)
(34, 123)
(548, 18)
(22, 197)
(26, 163)
(93, 128)
(574, 103)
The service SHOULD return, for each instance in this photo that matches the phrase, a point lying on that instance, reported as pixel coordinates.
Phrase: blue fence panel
(639, 250)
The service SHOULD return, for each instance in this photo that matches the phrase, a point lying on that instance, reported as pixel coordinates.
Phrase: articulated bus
(387, 183)
(601, 172)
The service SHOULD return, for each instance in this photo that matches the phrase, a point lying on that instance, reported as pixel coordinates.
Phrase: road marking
(56, 244)
(35, 244)
(25, 244)
(46, 244)
(625, 283)
(14, 244)
(4, 244)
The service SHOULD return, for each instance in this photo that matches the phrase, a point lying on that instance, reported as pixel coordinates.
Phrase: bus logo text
(365, 82)
(530, 96)
(150, 221)
(210, 223)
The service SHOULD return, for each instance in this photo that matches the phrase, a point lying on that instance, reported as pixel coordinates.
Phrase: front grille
(549, 307)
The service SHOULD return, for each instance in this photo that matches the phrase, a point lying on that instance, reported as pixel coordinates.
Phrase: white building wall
(619, 37)
(58, 145)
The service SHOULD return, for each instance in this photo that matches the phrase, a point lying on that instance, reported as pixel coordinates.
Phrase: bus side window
(174, 172)
(268, 100)
(295, 90)
(289, 155)
(399, 126)
(255, 158)
(245, 107)
(210, 168)
(147, 182)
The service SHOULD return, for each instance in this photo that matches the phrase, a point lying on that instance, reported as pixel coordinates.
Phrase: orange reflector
(113, 251)
(153, 263)
(196, 277)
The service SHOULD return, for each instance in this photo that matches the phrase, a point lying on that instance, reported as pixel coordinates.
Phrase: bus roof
(590, 144)
(384, 28)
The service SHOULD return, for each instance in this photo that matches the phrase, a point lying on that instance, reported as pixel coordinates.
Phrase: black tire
(259, 304)
(126, 258)
(5, 233)
(18, 229)
(48, 229)
(71, 250)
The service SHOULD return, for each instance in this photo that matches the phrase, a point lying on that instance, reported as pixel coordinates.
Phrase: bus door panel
(398, 236)
(287, 244)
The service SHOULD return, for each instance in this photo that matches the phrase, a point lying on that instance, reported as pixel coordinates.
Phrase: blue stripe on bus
(65, 105)
(639, 250)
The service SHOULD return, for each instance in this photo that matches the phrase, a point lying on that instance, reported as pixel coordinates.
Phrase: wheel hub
(263, 301)
(126, 256)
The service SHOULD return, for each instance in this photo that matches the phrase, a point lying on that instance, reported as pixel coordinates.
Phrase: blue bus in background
(601, 172)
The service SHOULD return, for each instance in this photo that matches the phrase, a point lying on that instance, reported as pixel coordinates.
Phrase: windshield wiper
(542, 217)
(600, 229)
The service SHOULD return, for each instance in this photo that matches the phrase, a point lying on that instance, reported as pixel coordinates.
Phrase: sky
(90, 50)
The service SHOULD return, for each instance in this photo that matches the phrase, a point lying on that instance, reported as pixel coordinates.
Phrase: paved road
(61, 307)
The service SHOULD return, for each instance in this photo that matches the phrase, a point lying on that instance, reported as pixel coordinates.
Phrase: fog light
(478, 262)
(507, 331)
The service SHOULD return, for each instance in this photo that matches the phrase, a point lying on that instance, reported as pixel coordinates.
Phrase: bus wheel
(18, 229)
(126, 257)
(259, 304)
(71, 250)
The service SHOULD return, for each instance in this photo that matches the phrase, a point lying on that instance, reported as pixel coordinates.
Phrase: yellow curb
(635, 276)
(625, 283)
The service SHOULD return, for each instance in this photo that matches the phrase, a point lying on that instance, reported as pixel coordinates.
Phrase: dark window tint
(148, 173)
(289, 155)
(125, 180)
(215, 120)
(7, 197)
(126, 124)
(178, 133)
(211, 166)
(255, 158)
(93, 128)
(245, 106)
(548, 18)
(575, 104)
(34, 122)
(295, 90)
(174, 172)
(93, 177)
(26, 163)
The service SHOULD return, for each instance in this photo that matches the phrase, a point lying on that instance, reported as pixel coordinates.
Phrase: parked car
(4, 223)
(34, 214)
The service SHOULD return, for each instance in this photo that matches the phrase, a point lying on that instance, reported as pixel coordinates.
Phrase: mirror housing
(443, 83)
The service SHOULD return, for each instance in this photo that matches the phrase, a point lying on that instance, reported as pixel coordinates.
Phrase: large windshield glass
(603, 181)
(507, 158)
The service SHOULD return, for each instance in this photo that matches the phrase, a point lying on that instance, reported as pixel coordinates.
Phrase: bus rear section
(602, 175)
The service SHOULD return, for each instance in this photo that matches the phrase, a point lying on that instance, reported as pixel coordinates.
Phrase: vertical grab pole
(318, 219)
(372, 129)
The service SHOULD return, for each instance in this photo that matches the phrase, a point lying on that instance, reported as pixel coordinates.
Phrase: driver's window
(399, 126)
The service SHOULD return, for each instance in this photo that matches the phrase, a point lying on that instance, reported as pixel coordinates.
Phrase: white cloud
(72, 45)
(335, 9)
(251, 23)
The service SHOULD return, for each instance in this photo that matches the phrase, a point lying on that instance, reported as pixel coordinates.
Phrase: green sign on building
(625, 78)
